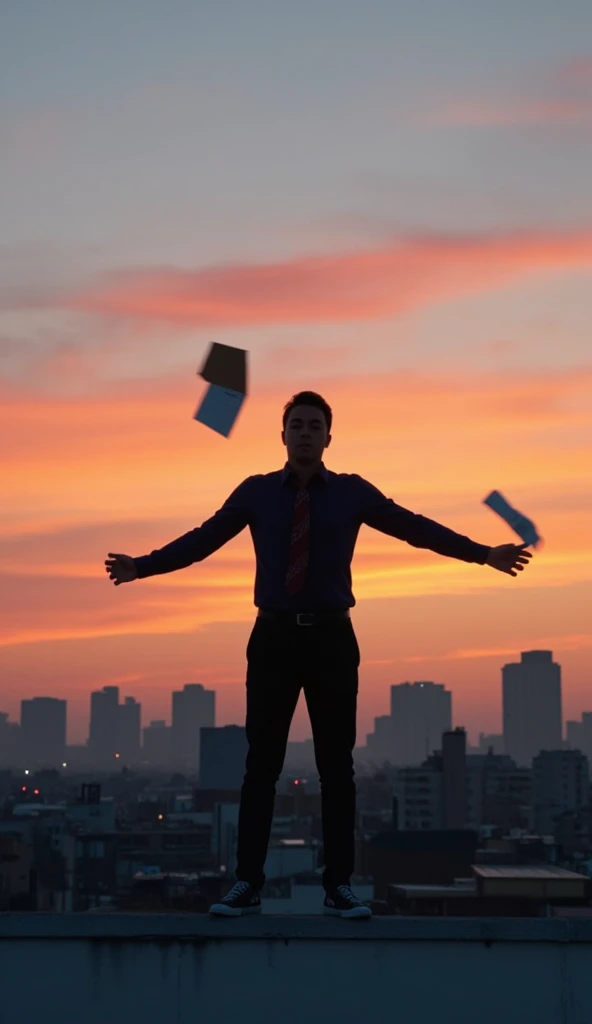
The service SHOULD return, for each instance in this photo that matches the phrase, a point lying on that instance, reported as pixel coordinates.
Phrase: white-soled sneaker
(243, 898)
(342, 902)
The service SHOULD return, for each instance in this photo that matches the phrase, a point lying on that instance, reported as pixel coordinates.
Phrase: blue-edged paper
(219, 409)
(524, 527)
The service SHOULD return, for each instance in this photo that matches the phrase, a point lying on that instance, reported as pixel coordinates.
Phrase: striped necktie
(298, 562)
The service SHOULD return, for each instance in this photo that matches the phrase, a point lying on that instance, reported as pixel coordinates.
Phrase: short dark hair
(308, 398)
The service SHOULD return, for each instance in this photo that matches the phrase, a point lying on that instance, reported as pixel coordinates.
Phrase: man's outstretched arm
(192, 547)
(381, 513)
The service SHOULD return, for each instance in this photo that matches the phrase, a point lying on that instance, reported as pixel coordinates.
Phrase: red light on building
(36, 792)
(23, 789)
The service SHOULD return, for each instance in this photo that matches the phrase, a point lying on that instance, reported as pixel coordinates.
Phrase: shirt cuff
(143, 566)
(481, 553)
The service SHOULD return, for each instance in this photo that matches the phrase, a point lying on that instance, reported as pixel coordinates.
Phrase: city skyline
(413, 719)
(392, 209)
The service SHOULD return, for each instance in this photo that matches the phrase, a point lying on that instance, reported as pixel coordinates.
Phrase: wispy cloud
(569, 642)
(359, 285)
(559, 95)
(514, 112)
(129, 470)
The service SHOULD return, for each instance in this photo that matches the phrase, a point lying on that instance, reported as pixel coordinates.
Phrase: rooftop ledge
(192, 969)
(198, 928)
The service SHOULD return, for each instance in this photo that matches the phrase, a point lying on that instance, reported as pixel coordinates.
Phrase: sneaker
(341, 902)
(243, 898)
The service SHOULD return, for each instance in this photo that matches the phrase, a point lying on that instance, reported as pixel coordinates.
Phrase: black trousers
(282, 659)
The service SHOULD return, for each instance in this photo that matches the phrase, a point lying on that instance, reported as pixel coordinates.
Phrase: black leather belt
(304, 618)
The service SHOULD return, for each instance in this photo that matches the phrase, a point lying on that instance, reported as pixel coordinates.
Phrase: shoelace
(237, 890)
(345, 891)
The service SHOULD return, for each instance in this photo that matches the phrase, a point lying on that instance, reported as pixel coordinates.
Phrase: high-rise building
(499, 793)
(103, 739)
(561, 782)
(454, 778)
(418, 793)
(43, 731)
(194, 708)
(421, 712)
(223, 753)
(129, 716)
(531, 706)
(488, 743)
(379, 744)
(578, 735)
(434, 794)
(114, 728)
(453, 790)
(586, 746)
(574, 735)
(10, 743)
(156, 746)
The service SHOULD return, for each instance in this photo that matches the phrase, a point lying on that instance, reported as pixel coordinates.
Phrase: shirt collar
(322, 472)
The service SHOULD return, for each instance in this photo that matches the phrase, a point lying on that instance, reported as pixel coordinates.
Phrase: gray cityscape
(147, 816)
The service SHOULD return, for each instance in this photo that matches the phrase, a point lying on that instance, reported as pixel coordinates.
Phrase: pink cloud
(363, 285)
(575, 71)
(557, 96)
(516, 112)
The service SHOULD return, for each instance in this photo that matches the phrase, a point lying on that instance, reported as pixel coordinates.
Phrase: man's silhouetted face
(305, 436)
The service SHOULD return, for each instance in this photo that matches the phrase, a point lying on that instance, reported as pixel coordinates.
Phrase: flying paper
(219, 409)
(225, 369)
(524, 527)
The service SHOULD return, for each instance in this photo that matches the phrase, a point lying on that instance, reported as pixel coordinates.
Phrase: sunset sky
(387, 202)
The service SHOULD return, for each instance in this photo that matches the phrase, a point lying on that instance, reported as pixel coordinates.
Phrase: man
(304, 521)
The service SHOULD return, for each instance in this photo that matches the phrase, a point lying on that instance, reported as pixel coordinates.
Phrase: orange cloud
(135, 446)
(128, 469)
(365, 285)
(135, 471)
(577, 642)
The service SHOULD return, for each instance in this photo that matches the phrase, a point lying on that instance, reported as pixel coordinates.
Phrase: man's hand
(508, 558)
(121, 568)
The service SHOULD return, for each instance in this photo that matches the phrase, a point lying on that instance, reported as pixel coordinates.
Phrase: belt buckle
(303, 615)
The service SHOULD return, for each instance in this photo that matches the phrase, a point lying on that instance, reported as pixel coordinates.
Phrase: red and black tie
(298, 563)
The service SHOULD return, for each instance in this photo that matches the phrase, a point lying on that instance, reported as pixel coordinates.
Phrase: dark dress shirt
(339, 504)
